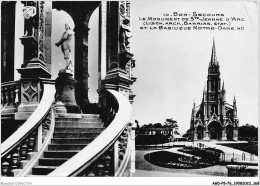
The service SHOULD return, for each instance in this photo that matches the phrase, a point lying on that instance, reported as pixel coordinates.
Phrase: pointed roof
(234, 100)
(213, 60)
(223, 86)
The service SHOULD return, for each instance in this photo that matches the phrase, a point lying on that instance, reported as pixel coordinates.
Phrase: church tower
(214, 119)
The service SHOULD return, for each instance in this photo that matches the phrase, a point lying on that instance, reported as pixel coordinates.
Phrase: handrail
(34, 120)
(103, 142)
(28, 167)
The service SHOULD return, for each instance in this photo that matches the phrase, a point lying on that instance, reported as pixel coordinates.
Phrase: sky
(171, 66)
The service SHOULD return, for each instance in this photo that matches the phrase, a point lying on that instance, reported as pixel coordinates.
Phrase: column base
(65, 91)
(206, 138)
(25, 110)
(224, 139)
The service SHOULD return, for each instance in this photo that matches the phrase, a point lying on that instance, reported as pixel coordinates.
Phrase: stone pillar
(102, 50)
(117, 76)
(195, 135)
(235, 134)
(7, 40)
(81, 63)
(48, 30)
(65, 91)
(34, 67)
(204, 133)
(206, 138)
(224, 134)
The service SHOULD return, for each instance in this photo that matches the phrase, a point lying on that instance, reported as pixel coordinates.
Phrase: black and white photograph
(160, 92)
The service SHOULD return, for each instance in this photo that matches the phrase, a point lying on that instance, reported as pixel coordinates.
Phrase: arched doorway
(80, 12)
(200, 132)
(215, 130)
(229, 131)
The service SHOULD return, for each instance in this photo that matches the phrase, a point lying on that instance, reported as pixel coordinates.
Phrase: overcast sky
(171, 66)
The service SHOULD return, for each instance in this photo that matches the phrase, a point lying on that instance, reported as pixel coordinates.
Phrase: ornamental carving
(41, 31)
(30, 92)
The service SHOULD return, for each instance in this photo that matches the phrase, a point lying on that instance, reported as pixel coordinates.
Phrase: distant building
(154, 135)
(214, 118)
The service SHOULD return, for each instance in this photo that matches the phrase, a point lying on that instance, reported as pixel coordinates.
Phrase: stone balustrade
(25, 149)
(24, 143)
(14, 160)
(10, 97)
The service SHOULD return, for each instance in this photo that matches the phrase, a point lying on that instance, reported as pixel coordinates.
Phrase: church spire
(213, 60)
(223, 86)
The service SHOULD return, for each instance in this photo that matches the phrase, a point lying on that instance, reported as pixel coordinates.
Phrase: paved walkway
(229, 152)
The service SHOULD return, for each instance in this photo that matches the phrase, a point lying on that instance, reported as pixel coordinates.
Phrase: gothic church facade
(214, 118)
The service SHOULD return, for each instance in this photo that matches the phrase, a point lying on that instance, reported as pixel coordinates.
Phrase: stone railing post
(116, 160)
(132, 147)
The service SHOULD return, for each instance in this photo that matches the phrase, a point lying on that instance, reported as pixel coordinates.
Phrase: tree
(171, 123)
(248, 132)
(157, 125)
(187, 134)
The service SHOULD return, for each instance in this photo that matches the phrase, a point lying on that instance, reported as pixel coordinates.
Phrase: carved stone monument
(65, 83)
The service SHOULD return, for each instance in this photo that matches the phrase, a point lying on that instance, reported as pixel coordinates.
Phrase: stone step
(52, 161)
(60, 154)
(77, 130)
(90, 115)
(66, 146)
(76, 135)
(71, 140)
(43, 170)
(79, 124)
(73, 115)
(79, 119)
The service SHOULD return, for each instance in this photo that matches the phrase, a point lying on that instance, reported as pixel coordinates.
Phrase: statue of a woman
(66, 46)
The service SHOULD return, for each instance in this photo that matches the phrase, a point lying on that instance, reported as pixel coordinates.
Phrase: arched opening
(229, 132)
(200, 132)
(215, 130)
(59, 18)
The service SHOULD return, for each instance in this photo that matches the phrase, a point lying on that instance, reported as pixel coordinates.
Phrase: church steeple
(213, 61)
(223, 86)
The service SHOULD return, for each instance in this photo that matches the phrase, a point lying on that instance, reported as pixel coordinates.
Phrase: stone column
(34, 67)
(207, 135)
(235, 134)
(102, 50)
(48, 30)
(117, 76)
(224, 134)
(81, 63)
(195, 135)
(204, 133)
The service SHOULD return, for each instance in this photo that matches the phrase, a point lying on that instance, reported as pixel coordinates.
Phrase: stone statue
(66, 46)
(29, 12)
(124, 36)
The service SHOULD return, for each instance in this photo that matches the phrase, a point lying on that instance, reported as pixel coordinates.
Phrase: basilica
(214, 118)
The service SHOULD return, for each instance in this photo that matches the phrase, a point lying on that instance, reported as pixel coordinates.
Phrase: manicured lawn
(142, 164)
(250, 147)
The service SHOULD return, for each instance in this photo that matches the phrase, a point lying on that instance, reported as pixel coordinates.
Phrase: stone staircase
(72, 133)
